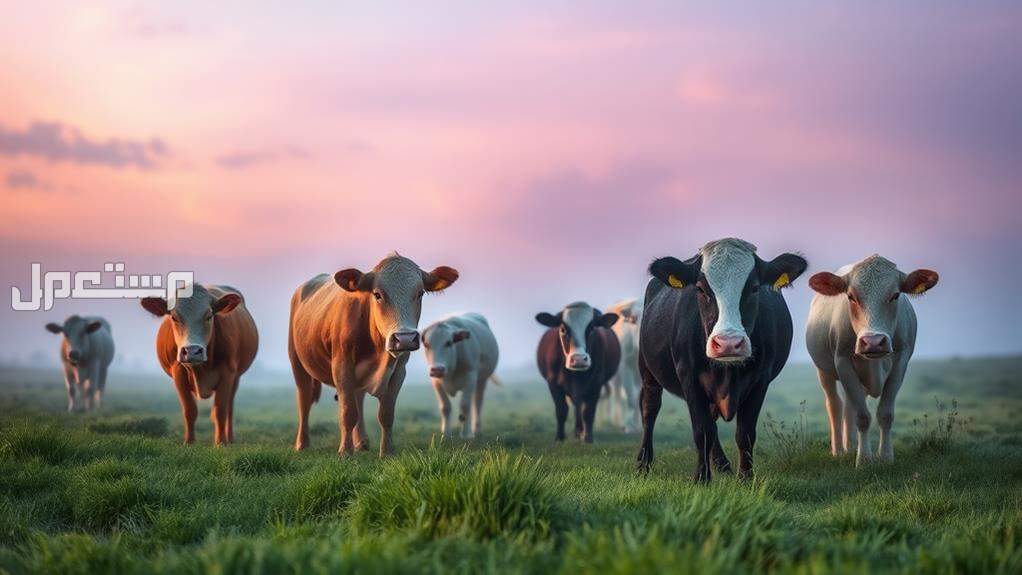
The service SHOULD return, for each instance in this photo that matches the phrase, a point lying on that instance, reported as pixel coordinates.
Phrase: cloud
(57, 143)
(244, 159)
(25, 180)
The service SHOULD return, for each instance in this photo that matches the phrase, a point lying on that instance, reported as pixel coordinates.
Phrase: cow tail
(496, 381)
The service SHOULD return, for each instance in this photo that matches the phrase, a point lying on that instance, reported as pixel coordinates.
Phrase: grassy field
(117, 492)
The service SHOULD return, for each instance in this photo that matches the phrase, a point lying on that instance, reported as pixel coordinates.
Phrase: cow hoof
(745, 474)
(701, 477)
(364, 446)
(723, 466)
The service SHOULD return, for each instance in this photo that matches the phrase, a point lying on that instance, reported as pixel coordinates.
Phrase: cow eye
(449, 344)
(378, 296)
(563, 330)
(894, 297)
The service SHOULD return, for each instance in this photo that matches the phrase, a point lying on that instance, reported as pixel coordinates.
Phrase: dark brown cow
(205, 343)
(353, 332)
(577, 356)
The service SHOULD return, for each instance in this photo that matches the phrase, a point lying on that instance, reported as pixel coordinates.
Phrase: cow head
(727, 275)
(574, 323)
(873, 288)
(76, 332)
(191, 321)
(440, 341)
(395, 288)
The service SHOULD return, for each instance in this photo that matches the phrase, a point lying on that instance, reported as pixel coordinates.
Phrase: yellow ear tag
(920, 289)
(782, 281)
(675, 282)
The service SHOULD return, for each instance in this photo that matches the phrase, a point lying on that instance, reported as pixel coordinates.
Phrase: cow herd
(713, 329)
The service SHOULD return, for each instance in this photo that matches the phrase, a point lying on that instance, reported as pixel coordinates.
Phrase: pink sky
(547, 152)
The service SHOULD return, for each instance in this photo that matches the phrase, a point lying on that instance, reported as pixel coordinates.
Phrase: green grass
(118, 492)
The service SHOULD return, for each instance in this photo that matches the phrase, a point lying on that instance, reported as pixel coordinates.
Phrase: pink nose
(578, 361)
(437, 371)
(874, 343)
(403, 341)
(728, 346)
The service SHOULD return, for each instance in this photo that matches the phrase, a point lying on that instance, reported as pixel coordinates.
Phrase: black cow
(577, 356)
(715, 331)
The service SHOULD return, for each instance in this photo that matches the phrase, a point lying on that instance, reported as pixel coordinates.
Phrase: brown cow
(353, 331)
(205, 343)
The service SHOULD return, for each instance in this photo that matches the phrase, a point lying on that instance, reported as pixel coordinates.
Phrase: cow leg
(855, 395)
(834, 408)
(588, 408)
(465, 414)
(650, 398)
(745, 430)
(305, 392)
(633, 419)
(97, 393)
(444, 404)
(577, 408)
(189, 411)
(851, 433)
(885, 409)
(230, 409)
(560, 408)
(614, 401)
(221, 403)
(385, 415)
(477, 405)
(720, 460)
(361, 436)
(704, 435)
(70, 383)
(347, 407)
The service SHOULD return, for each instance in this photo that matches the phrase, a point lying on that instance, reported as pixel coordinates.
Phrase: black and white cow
(577, 355)
(715, 331)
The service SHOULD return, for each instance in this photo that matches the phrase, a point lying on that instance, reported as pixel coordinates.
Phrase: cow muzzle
(437, 371)
(192, 354)
(873, 345)
(73, 357)
(578, 362)
(728, 347)
(402, 341)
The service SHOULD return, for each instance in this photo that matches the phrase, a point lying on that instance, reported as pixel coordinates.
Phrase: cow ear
(226, 303)
(461, 335)
(351, 280)
(674, 272)
(826, 283)
(781, 271)
(54, 328)
(919, 282)
(93, 326)
(155, 305)
(548, 319)
(606, 319)
(439, 279)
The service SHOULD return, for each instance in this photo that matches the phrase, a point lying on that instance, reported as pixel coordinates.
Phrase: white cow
(624, 386)
(862, 332)
(86, 351)
(462, 355)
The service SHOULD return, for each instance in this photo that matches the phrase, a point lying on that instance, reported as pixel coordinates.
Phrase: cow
(205, 344)
(623, 388)
(577, 355)
(462, 353)
(715, 331)
(862, 332)
(86, 351)
(353, 331)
